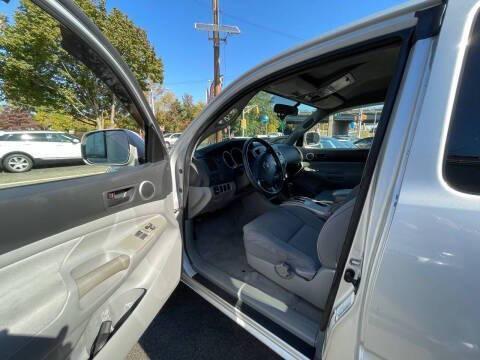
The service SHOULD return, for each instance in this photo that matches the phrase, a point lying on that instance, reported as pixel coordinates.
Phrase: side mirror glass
(109, 147)
(312, 138)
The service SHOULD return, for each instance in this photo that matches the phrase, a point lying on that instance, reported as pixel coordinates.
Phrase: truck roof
(409, 8)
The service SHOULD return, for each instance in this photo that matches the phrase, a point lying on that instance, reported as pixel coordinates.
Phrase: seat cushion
(286, 235)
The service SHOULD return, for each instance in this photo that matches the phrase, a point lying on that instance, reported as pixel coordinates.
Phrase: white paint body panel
(419, 292)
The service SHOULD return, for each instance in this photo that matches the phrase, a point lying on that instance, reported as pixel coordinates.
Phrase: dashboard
(217, 174)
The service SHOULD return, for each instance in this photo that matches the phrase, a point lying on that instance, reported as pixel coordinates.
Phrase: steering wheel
(263, 166)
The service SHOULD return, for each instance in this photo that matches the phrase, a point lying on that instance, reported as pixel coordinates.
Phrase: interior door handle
(87, 282)
(118, 197)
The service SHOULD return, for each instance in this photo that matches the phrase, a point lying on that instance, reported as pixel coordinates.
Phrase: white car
(21, 150)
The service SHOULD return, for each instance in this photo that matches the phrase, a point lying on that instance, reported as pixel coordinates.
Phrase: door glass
(462, 153)
(351, 129)
(50, 97)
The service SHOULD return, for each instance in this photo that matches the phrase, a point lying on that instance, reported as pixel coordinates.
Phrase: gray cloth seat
(298, 250)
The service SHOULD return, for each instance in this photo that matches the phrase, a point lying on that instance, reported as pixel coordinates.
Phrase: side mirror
(113, 147)
(312, 138)
(75, 141)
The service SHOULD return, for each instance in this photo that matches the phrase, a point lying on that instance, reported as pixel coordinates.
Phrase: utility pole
(359, 123)
(216, 29)
(216, 60)
(216, 50)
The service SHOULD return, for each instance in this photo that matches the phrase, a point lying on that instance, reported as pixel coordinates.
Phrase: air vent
(219, 189)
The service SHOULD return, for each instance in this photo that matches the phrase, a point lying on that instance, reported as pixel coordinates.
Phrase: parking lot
(45, 174)
(188, 327)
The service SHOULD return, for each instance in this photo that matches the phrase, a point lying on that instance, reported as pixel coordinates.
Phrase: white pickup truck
(327, 254)
(21, 150)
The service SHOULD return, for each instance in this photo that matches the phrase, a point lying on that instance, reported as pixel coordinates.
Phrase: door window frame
(69, 15)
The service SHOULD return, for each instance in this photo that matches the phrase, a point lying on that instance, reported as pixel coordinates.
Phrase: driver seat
(298, 250)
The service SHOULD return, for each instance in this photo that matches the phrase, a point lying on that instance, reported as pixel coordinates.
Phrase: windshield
(258, 119)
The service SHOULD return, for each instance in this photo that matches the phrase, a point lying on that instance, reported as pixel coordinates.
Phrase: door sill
(274, 342)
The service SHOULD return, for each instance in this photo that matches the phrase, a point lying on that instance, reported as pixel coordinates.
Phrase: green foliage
(175, 115)
(38, 74)
(60, 122)
(133, 44)
(260, 104)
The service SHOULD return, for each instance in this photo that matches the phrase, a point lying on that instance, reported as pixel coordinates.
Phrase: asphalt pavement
(50, 173)
(188, 327)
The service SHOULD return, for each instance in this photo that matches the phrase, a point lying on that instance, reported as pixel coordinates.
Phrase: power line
(249, 22)
(263, 27)
(185, 82)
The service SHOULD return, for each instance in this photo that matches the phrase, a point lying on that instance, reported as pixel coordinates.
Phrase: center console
(319, 208)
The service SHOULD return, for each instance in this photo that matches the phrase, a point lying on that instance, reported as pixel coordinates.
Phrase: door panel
(38, 211)
(329, 169)
(69, 283)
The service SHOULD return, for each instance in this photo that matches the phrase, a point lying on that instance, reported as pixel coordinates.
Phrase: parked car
(345, 138)
(365, 143)
(22, 150)
(171, 139)
(357, 253)
(271, 135)
(314, 140)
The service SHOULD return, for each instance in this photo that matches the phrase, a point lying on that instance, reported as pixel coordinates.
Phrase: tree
(60, 122)
(264, 103)
(133, 44)
(3, 22)
(37, 73)
(174, 115)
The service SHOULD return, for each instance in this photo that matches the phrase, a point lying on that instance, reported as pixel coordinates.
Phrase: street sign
(220, 28)
(264, 119)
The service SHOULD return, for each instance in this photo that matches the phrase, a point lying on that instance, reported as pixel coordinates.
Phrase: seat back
(332, 236)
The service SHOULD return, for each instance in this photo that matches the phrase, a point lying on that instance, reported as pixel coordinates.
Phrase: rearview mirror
(282, 110)
(113, 147)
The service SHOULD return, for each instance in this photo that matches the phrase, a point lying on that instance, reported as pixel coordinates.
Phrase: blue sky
(268, 27)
